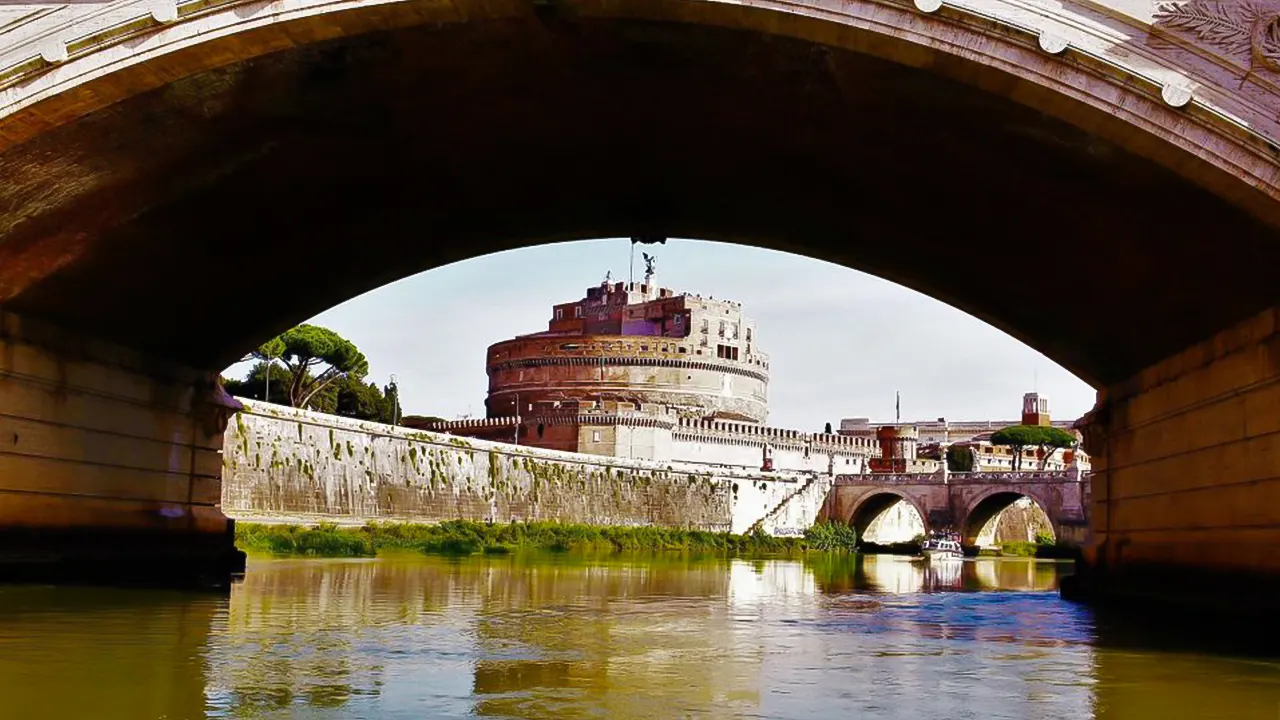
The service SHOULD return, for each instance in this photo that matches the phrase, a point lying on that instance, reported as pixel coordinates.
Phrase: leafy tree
(959, 459)
(423, 419)
(314, 357)
(350, 397)
(345, 396)
(255, 386)
(392, 414)
(1020, 437)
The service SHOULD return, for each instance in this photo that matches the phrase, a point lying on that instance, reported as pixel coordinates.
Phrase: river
(568, 638)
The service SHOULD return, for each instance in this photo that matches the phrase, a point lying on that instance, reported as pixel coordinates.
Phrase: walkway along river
(626, 637)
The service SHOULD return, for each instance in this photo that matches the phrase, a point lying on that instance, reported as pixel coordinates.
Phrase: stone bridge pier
(110, 464)
(964, 502)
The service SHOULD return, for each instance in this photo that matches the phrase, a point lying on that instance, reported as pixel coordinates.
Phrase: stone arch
(112, 208)
(875, 503)
(986, 506)
(237, 31)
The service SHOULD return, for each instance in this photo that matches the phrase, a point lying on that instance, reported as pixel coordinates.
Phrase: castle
(634, 370)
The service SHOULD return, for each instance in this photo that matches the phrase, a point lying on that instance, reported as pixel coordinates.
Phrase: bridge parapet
(878, 479)
(1023, 476)
(963, 478)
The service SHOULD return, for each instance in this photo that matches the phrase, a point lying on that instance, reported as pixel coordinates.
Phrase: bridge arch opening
(1007, 517)
(886, 518)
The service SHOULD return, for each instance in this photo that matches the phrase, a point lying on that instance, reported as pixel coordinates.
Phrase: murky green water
(566, 639)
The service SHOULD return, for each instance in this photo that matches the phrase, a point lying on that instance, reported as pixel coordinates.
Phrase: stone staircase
(812, 493)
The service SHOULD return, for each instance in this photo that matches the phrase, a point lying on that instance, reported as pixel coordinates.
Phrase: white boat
(941, 549)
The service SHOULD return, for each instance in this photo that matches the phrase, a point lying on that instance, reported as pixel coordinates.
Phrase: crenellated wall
(742, 444)
(283, 464)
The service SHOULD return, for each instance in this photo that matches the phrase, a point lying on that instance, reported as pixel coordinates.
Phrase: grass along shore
(462, 537)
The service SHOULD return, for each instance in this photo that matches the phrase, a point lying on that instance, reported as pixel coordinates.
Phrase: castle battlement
(759, 435)
(468, 424)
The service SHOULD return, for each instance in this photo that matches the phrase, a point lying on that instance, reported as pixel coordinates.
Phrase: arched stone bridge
(964, 502)
(1118, 158)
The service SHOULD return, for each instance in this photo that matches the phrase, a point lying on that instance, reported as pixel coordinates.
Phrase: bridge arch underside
(979, 526)
(198, 217)
(877, 506)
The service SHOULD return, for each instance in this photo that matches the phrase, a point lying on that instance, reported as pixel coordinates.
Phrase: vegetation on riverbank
(461, 537)
(1050, 550)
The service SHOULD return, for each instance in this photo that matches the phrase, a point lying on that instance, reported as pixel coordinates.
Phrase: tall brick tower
(1035, 409)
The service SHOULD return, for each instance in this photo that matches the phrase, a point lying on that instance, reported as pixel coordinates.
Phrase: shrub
(1018, 548)
(462, 537)
(832, 536)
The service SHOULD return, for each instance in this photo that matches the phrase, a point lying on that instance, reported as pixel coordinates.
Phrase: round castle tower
(634, 347)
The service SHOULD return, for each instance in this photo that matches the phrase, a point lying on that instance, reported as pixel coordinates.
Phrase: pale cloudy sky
(840, 342)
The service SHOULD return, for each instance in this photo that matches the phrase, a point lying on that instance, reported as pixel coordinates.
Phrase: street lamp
(395, 402)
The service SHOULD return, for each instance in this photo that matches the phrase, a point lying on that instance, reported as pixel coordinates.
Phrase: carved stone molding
(1249, 30)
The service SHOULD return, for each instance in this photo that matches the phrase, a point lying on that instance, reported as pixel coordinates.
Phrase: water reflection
(105, 654)
(900, 574)
(566, 638)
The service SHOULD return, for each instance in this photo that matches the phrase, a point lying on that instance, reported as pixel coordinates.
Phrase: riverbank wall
(282, 464)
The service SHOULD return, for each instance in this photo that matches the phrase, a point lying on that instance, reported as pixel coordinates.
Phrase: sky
(841, 342)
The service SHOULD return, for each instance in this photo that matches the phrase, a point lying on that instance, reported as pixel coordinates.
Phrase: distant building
(928, 440)
(1035, 410)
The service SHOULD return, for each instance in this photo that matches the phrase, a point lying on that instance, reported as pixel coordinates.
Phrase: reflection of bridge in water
(965, 502)
(898, 574)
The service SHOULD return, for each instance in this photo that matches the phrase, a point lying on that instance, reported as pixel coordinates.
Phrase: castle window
(595, 436)
(577, 311)
(683, 350)
(748, 334)
(559, 313)
(679, 319)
